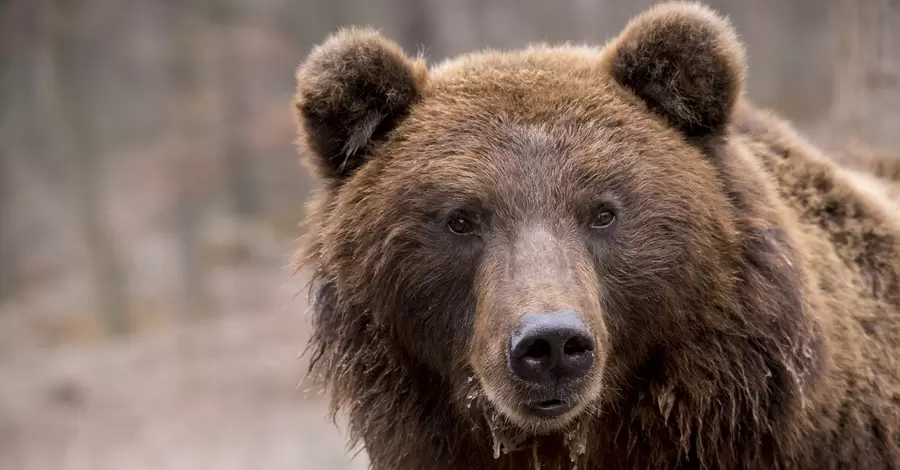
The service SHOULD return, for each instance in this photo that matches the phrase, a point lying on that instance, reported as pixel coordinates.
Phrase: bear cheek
(430, 332)
(429, 311)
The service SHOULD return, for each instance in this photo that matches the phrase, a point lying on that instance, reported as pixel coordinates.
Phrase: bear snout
(548, 348)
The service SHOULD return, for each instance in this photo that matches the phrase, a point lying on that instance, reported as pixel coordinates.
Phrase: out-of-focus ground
(224, 393)
(150, 199)
(219, 395)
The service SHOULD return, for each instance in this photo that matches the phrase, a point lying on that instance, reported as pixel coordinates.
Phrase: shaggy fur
(745, 303)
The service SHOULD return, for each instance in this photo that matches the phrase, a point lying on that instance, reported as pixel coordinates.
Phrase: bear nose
(551, 346)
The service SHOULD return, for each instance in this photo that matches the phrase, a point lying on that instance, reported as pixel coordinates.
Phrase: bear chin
(510, 427)
(548, 413)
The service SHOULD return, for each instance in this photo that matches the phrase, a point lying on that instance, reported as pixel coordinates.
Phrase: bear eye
(603, 219)
(460, 225)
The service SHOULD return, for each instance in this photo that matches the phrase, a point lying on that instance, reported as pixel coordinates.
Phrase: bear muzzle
(550, 351)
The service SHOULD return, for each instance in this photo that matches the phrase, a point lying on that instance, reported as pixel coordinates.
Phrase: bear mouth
(552, 408)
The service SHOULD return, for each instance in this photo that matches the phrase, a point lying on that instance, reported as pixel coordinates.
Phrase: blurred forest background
(150, 197)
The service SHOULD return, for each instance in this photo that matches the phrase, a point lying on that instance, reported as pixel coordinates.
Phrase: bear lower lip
(550, 408)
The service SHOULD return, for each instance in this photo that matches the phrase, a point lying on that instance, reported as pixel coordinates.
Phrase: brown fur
(745, 303)
(873, 168)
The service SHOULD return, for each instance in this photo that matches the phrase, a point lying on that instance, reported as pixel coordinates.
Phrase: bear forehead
(495, 115)
(507, 160)
(543, 85)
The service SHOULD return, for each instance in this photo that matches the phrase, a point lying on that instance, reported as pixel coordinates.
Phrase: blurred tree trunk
(866, 101)
(8, 260)
(188, 177)
(36, 90)
(241, 183)
(85, 166)
(10, 142)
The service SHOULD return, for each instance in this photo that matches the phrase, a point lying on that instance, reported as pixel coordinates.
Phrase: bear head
(530, 230)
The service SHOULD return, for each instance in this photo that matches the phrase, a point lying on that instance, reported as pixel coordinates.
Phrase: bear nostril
(578, 345)
(539, 349)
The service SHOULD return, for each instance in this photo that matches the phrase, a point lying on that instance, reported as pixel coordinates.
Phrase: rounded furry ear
(685, 61)
(352, 90)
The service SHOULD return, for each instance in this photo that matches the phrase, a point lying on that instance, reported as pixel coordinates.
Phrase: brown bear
(598, 258)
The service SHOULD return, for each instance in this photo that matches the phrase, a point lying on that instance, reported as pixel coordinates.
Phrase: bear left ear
(353, 89)
(684, 61)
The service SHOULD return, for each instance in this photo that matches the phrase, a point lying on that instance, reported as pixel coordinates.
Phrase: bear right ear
(351, 90)
(684, 61)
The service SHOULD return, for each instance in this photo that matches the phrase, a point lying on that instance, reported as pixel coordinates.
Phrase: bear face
(527, 230)
(497, 215)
